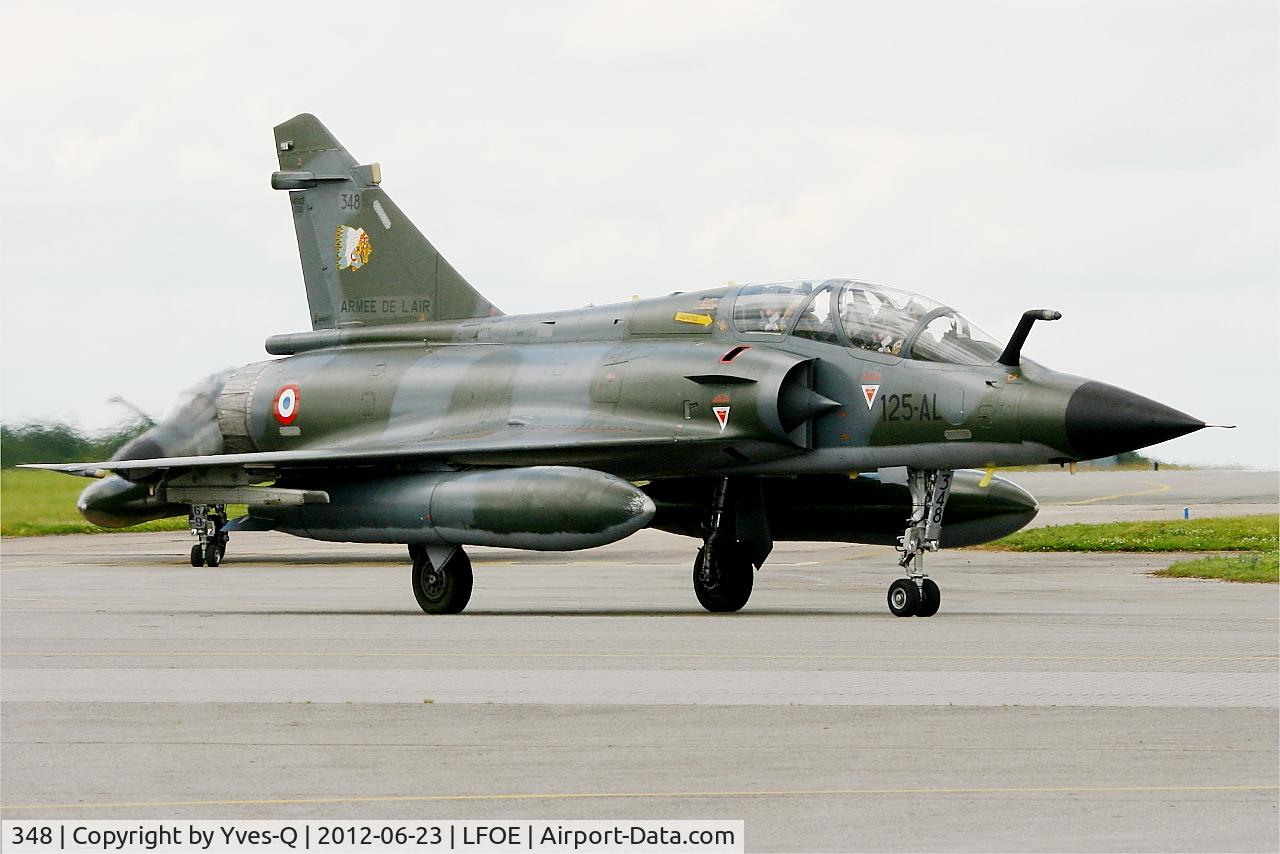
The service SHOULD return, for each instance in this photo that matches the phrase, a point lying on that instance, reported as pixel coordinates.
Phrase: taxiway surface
(1057, 702)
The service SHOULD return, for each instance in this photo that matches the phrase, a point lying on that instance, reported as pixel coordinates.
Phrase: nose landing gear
(918, 595)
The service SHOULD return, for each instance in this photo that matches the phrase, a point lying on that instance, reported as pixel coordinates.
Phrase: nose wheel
(911, 598)
(904, 598)
(930, 598)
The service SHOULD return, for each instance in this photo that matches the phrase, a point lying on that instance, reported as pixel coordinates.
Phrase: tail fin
(363, 261)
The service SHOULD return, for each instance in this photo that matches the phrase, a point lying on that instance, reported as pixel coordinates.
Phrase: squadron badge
(870, 387)
(353, 247)
(722, 416)
(720, 408)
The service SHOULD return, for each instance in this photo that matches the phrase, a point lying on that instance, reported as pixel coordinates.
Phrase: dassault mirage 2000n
(413, 411)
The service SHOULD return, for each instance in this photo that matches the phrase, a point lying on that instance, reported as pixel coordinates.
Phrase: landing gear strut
(206, 522)
(442, 578)
(918, 595)
(722, 571)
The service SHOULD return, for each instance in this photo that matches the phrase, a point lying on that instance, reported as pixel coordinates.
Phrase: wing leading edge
(581, 445)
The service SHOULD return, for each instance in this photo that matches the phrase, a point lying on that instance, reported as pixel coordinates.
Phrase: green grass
(1254, 536)
(35, 503)
(1227, 534)
(1263, 568)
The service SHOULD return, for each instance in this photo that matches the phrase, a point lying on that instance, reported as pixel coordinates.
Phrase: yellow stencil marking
(689, 317)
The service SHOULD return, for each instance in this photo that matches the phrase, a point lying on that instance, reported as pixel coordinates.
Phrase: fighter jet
(414, 411)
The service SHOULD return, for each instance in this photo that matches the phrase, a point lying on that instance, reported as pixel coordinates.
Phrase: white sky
(1117, 161)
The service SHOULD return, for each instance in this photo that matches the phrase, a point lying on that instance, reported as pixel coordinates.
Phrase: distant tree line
(62, 443)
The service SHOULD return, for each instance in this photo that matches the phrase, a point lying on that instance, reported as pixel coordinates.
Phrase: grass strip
(1264, 568)
(39, 503)
(1220, 534)
(44, 529)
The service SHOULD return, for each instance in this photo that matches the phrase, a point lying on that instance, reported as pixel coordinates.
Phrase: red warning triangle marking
(722, 415)
(870, 392)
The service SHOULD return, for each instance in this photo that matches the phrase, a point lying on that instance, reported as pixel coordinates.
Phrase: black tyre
(725, 586)
(443, 590)
(904, 597)
(212, 554)
(197, 555)
(930, 598)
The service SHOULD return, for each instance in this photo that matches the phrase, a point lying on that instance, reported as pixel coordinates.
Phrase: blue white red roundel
(286, 404)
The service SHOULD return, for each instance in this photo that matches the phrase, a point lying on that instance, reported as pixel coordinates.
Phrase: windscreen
(866, 316)
(950, 337)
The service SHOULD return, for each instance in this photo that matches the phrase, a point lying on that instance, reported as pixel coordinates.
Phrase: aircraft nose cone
(1103, 420)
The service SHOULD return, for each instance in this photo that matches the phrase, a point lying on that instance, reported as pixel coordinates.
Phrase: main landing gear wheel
(443, 589)
(930, 598)
(724, 586)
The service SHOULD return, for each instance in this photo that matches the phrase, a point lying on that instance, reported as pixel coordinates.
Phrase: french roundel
(286, 404)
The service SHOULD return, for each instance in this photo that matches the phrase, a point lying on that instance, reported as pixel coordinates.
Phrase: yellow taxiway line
(1158, 488)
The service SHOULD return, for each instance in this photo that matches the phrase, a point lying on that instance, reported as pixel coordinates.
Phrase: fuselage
(628, 368)
(789, 380)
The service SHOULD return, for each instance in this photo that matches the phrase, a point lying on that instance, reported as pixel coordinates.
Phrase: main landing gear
(918, 595)
(723, 570)
(441, 578)
(207, 522)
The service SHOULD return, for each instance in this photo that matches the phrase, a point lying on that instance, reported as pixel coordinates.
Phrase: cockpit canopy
(865, 316)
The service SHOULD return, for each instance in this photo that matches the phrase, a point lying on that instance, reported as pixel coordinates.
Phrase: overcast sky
(1116, 161)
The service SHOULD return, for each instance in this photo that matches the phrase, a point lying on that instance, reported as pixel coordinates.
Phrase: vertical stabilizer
(363, 261)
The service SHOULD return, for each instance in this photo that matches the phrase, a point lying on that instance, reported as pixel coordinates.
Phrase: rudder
(363, 261)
